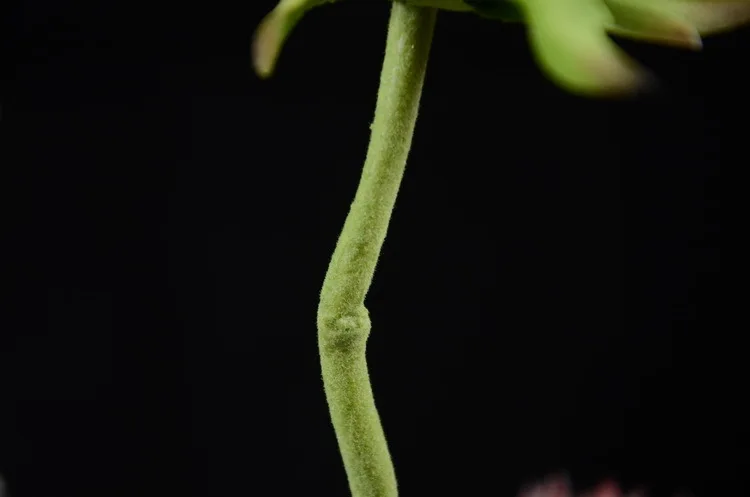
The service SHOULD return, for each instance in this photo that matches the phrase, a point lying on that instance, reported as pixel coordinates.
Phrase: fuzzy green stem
(343, 320)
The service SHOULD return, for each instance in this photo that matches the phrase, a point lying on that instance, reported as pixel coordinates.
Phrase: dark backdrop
(548, 296)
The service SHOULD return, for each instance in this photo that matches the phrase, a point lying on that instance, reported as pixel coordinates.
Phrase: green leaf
(502, 10)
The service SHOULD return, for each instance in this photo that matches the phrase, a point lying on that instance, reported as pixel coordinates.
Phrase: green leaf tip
(273, 30)
(653, 22)
(267, 44)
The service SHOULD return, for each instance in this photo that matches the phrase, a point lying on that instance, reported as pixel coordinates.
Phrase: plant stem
(343, 320)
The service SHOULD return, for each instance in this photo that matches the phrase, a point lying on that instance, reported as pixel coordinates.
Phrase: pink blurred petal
(607, 489)
(530, 491)
(556, 485)
(560, 488)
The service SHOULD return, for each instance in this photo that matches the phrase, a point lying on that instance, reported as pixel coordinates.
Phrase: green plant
(570, 40)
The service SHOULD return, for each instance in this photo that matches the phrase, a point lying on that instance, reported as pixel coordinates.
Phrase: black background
(548, 297)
